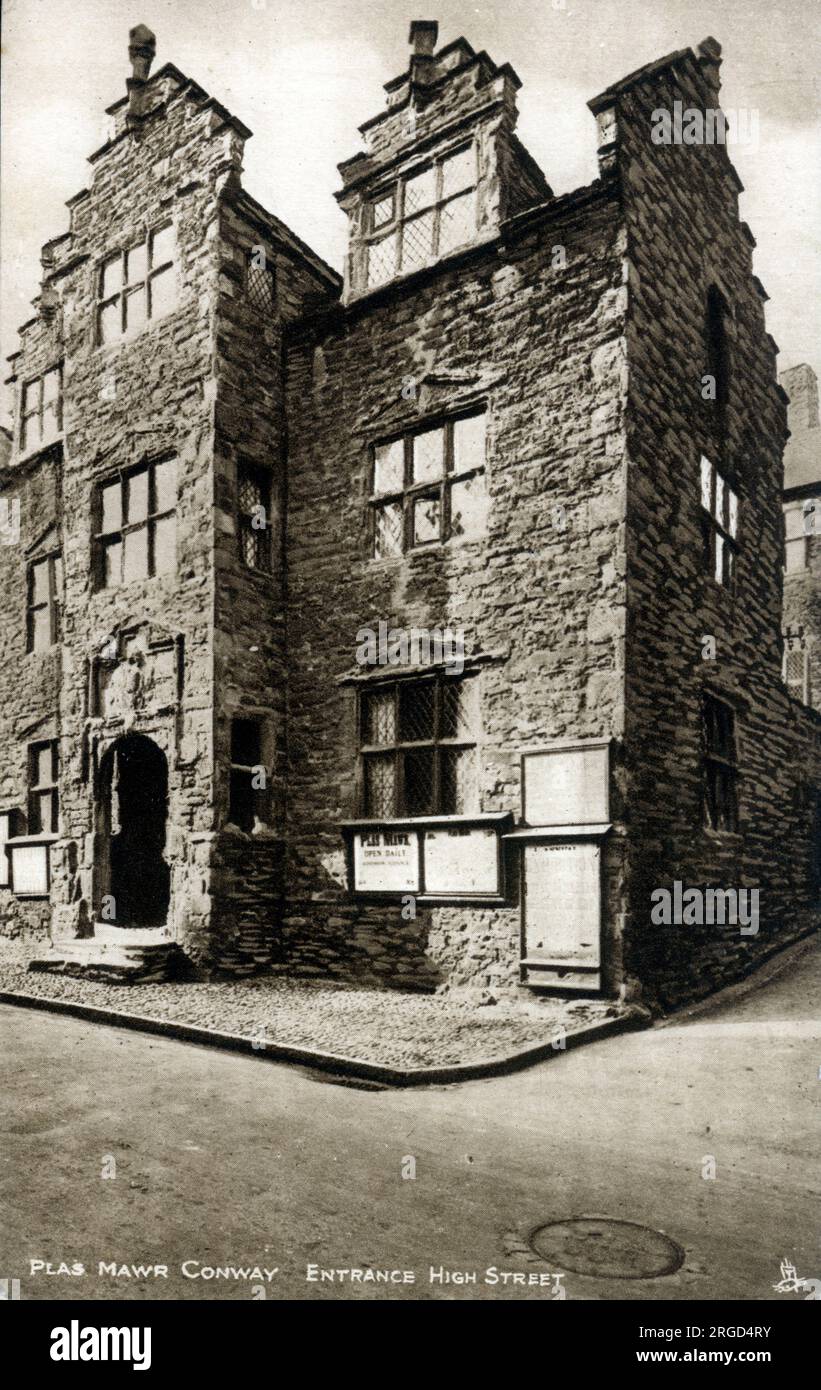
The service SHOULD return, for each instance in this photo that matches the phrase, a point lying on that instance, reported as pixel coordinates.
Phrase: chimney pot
(142, 46)
(423, 36)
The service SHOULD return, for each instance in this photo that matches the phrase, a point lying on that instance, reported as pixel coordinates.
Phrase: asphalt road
(224, 1160)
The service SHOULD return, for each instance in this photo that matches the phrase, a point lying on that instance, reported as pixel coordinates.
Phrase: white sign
(29, 870)
(563, 903)
(386, 861)
(566, 786)
(461, 861)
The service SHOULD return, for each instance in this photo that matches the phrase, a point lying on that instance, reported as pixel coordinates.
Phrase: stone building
(802, 538)
(416, 627)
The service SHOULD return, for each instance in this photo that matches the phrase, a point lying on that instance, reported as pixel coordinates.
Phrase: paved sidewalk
(377, 1027)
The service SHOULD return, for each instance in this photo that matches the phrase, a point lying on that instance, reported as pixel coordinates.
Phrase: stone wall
(543, 594)
(684, 235)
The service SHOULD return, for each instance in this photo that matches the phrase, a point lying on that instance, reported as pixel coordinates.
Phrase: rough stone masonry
(229, 463)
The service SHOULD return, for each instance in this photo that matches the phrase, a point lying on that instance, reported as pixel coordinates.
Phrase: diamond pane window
(260, 285)
(428, 765)
(457, 780)
(417, 241)
(380, 786)
(457, 224)
(416, 712)
(796, 671)
(420, 191)
(436, 212)
(388, 526)
(382, 212)
(379, 717)
(382, 260)
(254, 517)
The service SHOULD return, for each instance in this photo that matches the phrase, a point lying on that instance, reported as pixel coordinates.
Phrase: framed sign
(562, 904)
(461, 861)
(386, 861)
(437, 858)
(29, 870)
(567, 785)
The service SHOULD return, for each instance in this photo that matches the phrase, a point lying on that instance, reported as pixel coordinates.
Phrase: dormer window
(429, 213)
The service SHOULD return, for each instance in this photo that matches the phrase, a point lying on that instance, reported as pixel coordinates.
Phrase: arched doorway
(134, 794)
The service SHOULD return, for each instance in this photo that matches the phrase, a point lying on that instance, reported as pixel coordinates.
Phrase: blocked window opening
(720, 765)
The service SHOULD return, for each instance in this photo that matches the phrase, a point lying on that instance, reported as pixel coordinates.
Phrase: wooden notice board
(562, 904)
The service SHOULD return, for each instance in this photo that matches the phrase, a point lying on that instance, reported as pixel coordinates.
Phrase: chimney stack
(801, 385)
(423, 36)
(709, 57)
(142, 45)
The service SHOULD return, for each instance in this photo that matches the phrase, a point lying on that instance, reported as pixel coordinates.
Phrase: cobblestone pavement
(369, 1024)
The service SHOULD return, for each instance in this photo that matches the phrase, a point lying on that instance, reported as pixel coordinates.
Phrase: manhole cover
(607, 1249)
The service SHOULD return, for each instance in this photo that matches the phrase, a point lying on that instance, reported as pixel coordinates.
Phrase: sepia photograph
(410, 667)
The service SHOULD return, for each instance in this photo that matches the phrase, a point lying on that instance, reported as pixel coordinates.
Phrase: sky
(304, 74)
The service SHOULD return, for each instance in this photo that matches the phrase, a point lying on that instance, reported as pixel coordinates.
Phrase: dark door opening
(139, 878)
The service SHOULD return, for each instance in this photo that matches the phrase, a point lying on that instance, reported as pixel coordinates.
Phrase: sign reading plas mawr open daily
(386, 861)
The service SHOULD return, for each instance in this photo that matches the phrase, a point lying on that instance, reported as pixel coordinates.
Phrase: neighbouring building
(802, 538)
(413, 627)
